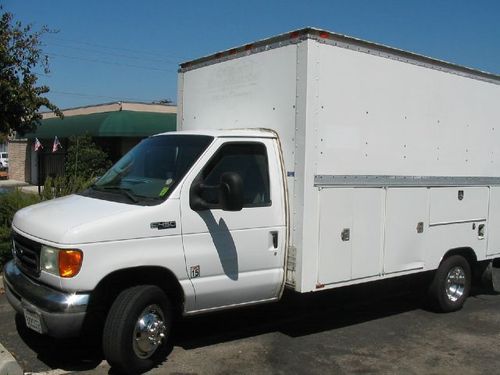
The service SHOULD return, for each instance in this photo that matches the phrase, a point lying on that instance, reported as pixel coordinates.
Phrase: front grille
(27, 254)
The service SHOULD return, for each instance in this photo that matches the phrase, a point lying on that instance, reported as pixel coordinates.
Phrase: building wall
(19, 160)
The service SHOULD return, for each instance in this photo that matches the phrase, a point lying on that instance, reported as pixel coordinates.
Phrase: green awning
(107, 124)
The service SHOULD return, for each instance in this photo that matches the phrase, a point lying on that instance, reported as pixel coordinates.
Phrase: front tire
(137, 329)
(451, 285)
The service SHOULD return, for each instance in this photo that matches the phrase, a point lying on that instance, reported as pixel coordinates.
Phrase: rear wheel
(137, 328)
(451, 285)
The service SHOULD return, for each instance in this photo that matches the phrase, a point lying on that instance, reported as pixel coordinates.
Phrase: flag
(56, 144)
(38, 144)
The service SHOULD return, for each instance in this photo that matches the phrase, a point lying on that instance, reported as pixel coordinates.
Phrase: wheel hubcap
(149, 331)
(455, 284)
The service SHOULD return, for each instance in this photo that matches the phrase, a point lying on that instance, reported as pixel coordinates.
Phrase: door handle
(345, 235)
(274, 236)
(480, 231)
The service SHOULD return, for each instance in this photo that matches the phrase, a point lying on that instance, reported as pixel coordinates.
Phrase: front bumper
(61, 314)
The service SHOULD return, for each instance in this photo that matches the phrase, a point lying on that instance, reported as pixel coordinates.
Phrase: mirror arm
(208, 187)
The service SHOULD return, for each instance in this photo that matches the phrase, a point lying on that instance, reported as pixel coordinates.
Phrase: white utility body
(378, 144)
(310, 160)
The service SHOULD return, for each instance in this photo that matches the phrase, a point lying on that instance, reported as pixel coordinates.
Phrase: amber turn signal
(70, 262)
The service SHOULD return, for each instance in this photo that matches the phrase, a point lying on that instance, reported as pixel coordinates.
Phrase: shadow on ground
(304, 314)
(67, 354)
(295, 315)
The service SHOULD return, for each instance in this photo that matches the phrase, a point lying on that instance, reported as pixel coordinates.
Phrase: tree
(85, 159)
(20, 96)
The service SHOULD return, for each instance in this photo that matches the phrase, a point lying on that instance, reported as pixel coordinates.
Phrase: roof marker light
(294, 35)
(323, 34)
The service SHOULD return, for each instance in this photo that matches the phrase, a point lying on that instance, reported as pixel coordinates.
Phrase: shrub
(10, 203)
(64, 185)
(13, 201)
(5, 251)
(85, 159)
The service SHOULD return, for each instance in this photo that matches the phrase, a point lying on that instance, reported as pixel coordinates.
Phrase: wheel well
(466, 252)
(108, 288)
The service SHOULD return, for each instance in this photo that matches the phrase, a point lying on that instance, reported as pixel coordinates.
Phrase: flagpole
(38, 172)
(76, 164)
(38, 146)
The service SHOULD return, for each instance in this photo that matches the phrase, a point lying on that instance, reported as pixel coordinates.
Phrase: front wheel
(451, 285)
(136, 329)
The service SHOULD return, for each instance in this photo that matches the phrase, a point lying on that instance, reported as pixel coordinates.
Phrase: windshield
(149, 172)
(4, 155)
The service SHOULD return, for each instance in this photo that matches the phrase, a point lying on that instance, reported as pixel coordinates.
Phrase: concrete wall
(19, 160)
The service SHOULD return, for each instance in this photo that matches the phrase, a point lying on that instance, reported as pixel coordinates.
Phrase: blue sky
(130, 50)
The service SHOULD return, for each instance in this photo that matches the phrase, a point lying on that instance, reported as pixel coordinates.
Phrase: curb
(8, 364)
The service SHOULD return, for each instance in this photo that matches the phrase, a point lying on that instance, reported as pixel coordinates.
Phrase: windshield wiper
(123, 191)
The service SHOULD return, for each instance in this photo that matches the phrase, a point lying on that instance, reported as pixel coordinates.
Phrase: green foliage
(5, 251)
(10, 203)
(13, 201)
(85, 159)
(64, 185)
(20, 56)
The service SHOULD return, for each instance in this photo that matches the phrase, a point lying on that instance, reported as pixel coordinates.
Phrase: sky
(108, 51)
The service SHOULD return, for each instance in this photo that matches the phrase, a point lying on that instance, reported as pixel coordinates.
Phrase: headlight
(48, 260)
(60, 262)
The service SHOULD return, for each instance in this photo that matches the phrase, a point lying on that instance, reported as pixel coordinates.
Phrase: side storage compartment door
(458, 218)
(407, 212)
(351, 229)
(494, 222)
(335, 224)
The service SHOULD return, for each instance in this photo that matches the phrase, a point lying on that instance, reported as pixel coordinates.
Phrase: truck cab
(187, 222)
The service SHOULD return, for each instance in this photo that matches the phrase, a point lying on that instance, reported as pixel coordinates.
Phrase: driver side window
(250, 161)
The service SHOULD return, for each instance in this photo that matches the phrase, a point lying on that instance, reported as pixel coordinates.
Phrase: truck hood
(75, 219)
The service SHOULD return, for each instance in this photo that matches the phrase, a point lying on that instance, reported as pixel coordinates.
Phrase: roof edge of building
(114, 107)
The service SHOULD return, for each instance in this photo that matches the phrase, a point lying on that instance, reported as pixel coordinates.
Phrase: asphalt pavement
(380, 328)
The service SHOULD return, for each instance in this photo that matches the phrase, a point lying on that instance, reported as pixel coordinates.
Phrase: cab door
(236, 257)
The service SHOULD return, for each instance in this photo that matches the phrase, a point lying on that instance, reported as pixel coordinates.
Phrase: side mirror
(231, 192)
(196, 202)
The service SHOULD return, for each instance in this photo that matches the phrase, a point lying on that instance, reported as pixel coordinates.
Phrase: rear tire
(451, 285)
(137, 329)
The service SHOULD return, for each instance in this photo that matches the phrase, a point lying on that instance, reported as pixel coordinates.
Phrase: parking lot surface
(380, 328)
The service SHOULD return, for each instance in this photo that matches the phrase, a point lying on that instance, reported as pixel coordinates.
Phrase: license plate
(33, 320)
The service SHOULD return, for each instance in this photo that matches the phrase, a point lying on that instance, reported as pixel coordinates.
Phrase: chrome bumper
(62, 313)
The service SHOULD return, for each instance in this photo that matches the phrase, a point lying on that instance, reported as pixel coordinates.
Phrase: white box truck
(310, 160)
